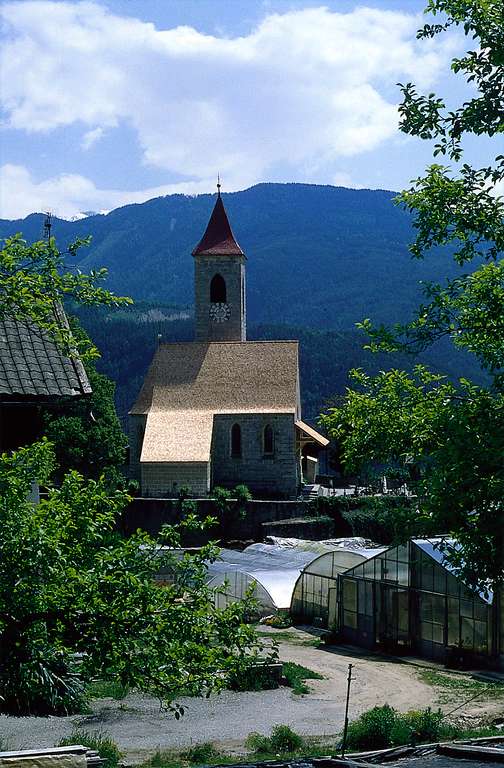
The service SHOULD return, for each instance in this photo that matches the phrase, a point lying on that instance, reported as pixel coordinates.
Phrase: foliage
(283, 740)
(279, 620)
(201, 753)
(254, 678)
(107, 689)
(33, 285)
(100, 742)
(461, 686)
(79, 602)
(383, 519)
(449, 436)
(383, 727)
(86, 432)
(231, 503)
(296, 674)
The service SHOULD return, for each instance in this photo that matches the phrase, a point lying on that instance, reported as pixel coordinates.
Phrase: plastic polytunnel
(273, 570)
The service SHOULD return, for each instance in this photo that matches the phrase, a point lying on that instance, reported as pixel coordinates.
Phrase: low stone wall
(151, 514)
(313, 529)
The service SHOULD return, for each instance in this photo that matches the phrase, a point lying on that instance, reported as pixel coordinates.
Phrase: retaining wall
(151, 514)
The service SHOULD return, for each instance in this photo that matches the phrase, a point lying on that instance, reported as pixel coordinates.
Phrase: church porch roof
(310, 435)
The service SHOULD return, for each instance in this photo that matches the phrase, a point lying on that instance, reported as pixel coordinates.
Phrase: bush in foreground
(383, 727)
(283, 740)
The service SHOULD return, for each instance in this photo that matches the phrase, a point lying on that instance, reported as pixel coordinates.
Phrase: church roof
(187, 384)
(32, 366)
(223, 377)
(218, 239)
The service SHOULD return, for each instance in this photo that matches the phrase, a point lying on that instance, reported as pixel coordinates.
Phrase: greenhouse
(409, 598)
(315, 595)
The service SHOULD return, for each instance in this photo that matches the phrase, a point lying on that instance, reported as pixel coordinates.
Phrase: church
(221, 410)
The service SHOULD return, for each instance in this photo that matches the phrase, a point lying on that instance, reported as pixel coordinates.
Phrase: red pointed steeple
(218, 239)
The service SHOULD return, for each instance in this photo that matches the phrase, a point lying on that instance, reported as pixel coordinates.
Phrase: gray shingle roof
(32, 366)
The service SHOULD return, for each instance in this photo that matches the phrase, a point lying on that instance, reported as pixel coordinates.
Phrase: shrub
(107, 689)
(201, 753)
(258, 678)
(283, 740)
(424, 726)
(383, 727)
(373, 729)
(280, 620)
(100, 742)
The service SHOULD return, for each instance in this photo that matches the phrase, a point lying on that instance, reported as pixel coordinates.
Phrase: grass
(296, 674)
(103, 744)
(382, 724)
(107, 689)
(284, 636)
(383, 727)
(460, 687)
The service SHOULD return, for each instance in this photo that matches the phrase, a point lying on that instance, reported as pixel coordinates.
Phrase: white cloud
(301, 90)
(68, 195)
(91, 137)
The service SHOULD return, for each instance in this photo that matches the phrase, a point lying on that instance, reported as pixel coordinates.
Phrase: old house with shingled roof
(221, 410)
(34, 374)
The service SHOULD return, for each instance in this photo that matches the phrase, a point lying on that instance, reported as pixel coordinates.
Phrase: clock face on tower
(219, 312)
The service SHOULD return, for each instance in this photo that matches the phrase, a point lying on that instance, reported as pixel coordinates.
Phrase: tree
(34, 284)
(450, 435)
(77, 601)
(86, 432)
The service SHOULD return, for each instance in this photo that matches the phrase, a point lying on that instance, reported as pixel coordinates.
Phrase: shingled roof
(32, 366)
(223, 377)
(187, 384)
(218, 239)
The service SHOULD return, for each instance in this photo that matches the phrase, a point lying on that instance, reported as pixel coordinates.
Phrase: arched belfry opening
(218, 292)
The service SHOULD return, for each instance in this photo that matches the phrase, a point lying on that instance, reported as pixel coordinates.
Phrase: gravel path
(139, 728)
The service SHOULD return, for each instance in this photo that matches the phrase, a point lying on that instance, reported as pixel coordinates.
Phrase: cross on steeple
(218, 184)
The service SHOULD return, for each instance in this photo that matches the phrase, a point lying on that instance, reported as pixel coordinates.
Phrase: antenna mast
(48, 225)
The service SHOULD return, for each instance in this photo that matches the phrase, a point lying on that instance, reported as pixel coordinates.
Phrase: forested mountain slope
(318, 256)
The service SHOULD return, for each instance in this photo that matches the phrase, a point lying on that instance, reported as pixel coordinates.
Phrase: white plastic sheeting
(273, 570)
(276, 569)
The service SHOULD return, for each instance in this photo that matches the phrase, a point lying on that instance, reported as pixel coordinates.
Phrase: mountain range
(319, 256)
(320, 259)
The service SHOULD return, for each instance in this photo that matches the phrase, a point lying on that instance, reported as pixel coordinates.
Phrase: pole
(349, 680)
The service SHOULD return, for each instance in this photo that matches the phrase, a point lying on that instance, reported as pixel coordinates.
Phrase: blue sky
(106, 103)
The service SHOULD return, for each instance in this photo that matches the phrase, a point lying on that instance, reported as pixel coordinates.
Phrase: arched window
(268, 440)
(236, 446)
(218, 290)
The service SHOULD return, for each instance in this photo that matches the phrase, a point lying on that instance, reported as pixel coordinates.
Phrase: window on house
(268, 440)
(236, 446)
(218, 293)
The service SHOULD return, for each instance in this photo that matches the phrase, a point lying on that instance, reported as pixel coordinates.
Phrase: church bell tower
(219, 281)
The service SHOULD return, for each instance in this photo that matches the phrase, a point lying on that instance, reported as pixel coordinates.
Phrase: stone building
(221, 410)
